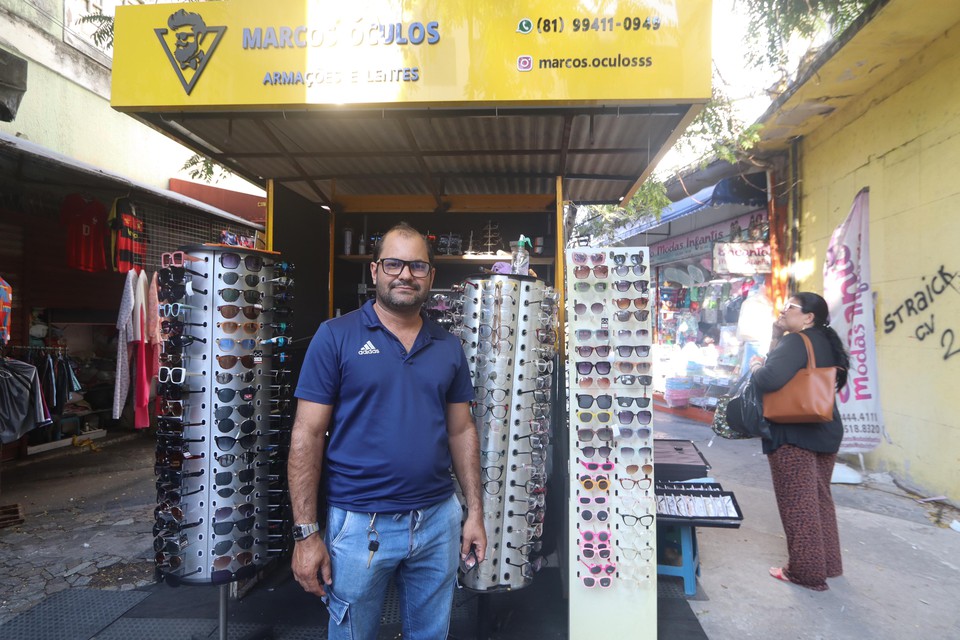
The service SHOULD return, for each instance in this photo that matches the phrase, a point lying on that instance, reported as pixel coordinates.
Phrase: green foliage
(717, 133)
(599, 220)
(103, 34)
(202, 168)
(773, 22)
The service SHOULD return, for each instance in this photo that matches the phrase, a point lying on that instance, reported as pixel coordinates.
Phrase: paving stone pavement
(57, 550)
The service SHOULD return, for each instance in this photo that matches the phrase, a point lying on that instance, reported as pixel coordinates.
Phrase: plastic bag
(744, 411)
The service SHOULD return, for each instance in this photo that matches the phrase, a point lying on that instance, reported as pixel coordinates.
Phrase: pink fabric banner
(847, 290)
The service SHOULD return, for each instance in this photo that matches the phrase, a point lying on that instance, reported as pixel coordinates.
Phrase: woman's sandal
(778, 574)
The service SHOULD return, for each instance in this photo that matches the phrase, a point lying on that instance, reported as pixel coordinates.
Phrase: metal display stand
(612, 521)
(507, 324)
(224, 422)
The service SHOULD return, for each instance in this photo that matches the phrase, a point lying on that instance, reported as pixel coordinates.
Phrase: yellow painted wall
(902, 140)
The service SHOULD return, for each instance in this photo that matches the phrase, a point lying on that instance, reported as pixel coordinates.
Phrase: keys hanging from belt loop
(374, 537)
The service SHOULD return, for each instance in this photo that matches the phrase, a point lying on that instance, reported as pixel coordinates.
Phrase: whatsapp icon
(525, 26)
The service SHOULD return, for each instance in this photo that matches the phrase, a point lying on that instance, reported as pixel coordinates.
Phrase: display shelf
(480, 257)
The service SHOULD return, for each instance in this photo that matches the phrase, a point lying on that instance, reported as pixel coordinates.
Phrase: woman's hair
(815, 304)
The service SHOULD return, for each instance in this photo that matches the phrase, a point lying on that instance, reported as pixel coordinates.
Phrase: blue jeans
(421, 548)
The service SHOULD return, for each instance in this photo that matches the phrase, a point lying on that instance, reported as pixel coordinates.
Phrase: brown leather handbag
(807, 397)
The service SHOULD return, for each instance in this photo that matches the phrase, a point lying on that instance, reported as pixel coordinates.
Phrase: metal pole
(223, 611)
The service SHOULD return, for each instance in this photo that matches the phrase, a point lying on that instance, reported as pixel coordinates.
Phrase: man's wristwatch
(304, 531)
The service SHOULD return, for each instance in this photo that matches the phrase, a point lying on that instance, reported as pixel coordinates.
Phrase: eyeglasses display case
(508, 327)
(224, 414)
(612, 519)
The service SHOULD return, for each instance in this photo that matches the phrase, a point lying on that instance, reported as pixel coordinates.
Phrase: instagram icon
(524, 63)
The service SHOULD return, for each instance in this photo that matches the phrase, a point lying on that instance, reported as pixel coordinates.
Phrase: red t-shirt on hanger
(86, 222)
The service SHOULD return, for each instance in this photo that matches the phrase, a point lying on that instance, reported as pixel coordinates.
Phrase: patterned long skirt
(801, 482)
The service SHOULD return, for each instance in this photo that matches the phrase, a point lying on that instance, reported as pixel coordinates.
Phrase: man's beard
(389, 299)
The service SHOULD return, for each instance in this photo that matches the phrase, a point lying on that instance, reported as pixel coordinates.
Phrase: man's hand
(310, 559)
(474, 536)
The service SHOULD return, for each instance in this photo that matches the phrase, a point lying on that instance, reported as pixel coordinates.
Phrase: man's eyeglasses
(394, 267)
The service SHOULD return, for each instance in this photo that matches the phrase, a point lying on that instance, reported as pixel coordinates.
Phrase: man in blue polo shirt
(391, 389)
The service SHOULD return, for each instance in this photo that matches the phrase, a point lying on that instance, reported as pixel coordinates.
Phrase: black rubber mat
(677, 621)
(72, 614)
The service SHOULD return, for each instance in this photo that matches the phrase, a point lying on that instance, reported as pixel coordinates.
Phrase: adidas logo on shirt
(368, 349)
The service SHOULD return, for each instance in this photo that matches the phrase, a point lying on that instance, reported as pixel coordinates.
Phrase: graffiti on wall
(913, 311)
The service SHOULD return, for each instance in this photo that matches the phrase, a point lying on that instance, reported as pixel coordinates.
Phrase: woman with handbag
(802, 449)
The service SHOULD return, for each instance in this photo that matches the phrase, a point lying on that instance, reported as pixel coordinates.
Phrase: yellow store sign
(283, 53)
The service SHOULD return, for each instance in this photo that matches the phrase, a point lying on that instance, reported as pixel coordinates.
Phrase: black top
(782, 364)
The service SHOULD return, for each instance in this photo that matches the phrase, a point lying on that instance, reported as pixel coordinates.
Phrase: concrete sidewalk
(901, 570)
(88, 526)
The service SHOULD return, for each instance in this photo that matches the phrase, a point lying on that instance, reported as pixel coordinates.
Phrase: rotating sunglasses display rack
(612, 554)
(507, 325)
(224, 421)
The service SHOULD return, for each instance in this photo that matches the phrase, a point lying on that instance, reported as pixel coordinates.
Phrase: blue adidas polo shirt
(388, 447)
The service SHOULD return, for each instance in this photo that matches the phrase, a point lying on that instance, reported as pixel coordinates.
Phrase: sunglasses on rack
(232, 277)
(586, 351)
(602, 537)
(224, 546)
(230, 311)
(586, 434)
(640, 417)
(184, 340)
(597, 334)
(642, 351)
(226, 443)
(580, 308)
(223, 412)
(590, 416)
(176, 275)
(176, 424)
(641, 401)
(243, 525)
(621, 258)
(251, 296)
(229, 362)
(584, 367)
(631, 452)
(590, 551)
(585, 401)
(176, 292)
(625, 285)
(598, 466)
(630, 379)
(228, 459)
(177, 326)
(175, 309)
(229, 344)
(629, 432)
(250, 262)
(603, 451)
(228, 425)
(625, 270)
(496, 395)
(176, 375)
(629, 367)
(173, 391)
(584, 287)
(177, 259)
(581, 272)
(590, 483)
(640, 315)
(595, 258)
(587, 382)
(224, 377)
